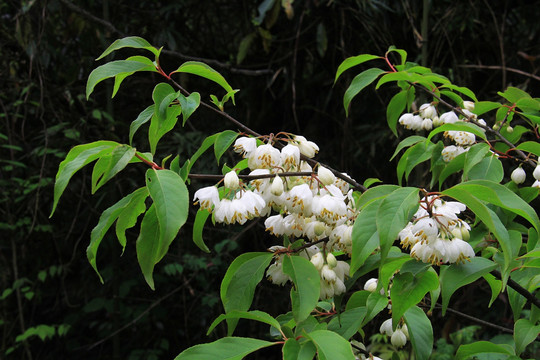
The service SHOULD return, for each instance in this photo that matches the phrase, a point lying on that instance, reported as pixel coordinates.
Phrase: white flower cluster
(519, 175)
(309, 207)
(436, 235)
(427, 118)
(398, 337)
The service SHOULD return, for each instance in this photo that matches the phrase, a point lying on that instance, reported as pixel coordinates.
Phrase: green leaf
(198, 226)
(291, 349)
(408, 290)
(395, 108)
(112, 69)
(408, 141)
(118, 79)
(359, 82)
(476, 153)
(457, 275)
(78, 157)
(108, 166)
(164, 117)
(128, 217)
(238, 284)
(373, 194)
(148, 245)
(189, 105)
(482, 107)
(228, 348)
(205, 71)
(524, 333)
(513, 94)
(375, 303)
(455, 165)
(106, 219)
(223, 141)
(393, 214)
(402, 53)
(348, 322)
(171, 200)
(250, 315)
(489, 168)
(370, 181)
(413, 156)
(331, 346)
(480, 347)
(461, 89)
(142, 119)
(398, 76)
(132, 42)
(530, 146)
(353, 61)
(420, 332)
(306, 279)
(209, 141)
(458, 126)
(495, 285)
(365, 238)
(453, 96)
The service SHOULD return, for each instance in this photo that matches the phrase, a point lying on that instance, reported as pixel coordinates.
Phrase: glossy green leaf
(530, 146)
(373, 194)
(164, 117)
(408, 290)
(389, 268)
(205, 71)
(141, 119)
(525, 333)
(375, 303)
(131, 42)
(461, 89)
(452, 167)
(353, 61)
(228, 348)
(198, 226)
(412, 157)
(400, 76)
(359, 82)
(495, 285)
(393, 214)
(420, 332)
(77, 158)
(112, 69)
(256, 315)
(458, 101)
(107, 218)
(306, 291)
(331, 346)
(408, 141)
(458, 126)
(118, 79)
(238, 284)
(189, 105)
(402, 53)
(207, 143)
(365, 238)
(480, 347)
(476, 153)
(128, 217)
(223, 141)
(489, 168)
(513, 94)
(108, 166)
(291, 349)
(457, 275)
(482, 107)
(148, 246)
(348, 322)
(395, 108)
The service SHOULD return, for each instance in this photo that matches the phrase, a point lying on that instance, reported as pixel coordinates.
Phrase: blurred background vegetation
(283, 56)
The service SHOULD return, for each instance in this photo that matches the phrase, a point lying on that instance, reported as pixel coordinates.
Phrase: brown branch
(519, 289)
(498, 67)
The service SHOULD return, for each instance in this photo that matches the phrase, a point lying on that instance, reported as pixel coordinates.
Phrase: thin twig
(498, 67)
(519, 289)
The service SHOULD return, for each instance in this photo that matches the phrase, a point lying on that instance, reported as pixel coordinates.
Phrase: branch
(498, 67)
(519, 289)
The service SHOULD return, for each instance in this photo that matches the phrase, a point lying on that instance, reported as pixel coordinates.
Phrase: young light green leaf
(171, 201)
(420, 332)
(408, 290)
(331, 346)
(198, 226)
(402, 53)
(238, 284)
(223, 141)
(480, 347)
(250, 315)
(393, 214)
(205, 71)
(132, 42)
(495, 285)
(525, 332)
(482, 107)
(142, 119)
(228, 348)
(395, 107)
(457, 275)
(106, 219)
(306, 291)
(353, 61)
(373, 194)
(458, 126)
(513, 94)
(530, 146)
(112, 69)
(189, 105)
(359, 82)
(78, 157)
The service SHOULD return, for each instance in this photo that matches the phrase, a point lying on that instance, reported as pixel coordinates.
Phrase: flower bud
(277, 186)
(317, 260)
(328, 274)
(405, 330)
(325, 175)
(509, 129)
(428, 111)
(536, 184)
(465, 235)
(468, 105)
(536, 172)
(398, 338)
(496, 127)
(386, 327)
(331, 260)
(371, 285)
(231, 180)
(518, 175)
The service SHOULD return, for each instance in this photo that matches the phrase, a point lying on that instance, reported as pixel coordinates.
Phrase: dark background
(284, 65)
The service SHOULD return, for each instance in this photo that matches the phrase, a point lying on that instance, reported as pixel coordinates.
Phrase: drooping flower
(231, 180)
(264, 157)
(307, 148)
(290, 157)
(245, 145)
(518, 175)
(207, 196)
(427, 111)
(536, 172)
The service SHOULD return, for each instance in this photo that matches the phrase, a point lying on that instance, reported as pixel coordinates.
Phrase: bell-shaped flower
(371, 285)
(300, 199)
(468, 105)
(318, 260)
(307, 148)
(536, 172)
(386, 327)
(449, 117)
(325, 175)
(425, 229)
(427, 111)
(245, 145)
(207, 196)
(290, 157)
(231, 180)
(264, 157)
(398, 338)
(518, 175)
(277, 186)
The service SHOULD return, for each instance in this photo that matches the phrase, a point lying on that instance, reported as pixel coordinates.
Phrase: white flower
(318, 260)
(425, 229)
(427, 111)
(328, 274)
(325, 175)
(231, 180)
(406, 120)
(264, 157)
(482, 122)
(315, 230)
(518, 175)
(536, 172)
(461, 137)
(254, 203)
(371, 285)
(427, 124)
(407, 237)
(468, 105)
(299, 199)
(449, 117)
(449, 153)
(329, 208)
(275, 273)
(290, 157)
(275, 225)
(386, 327)
(245, 145)
(260, 185)
(536, 184)
(331, 260)
(231, 211)
(277, 186)
(398, 338)
(416, 123)
(308, 148)
(207, 197)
